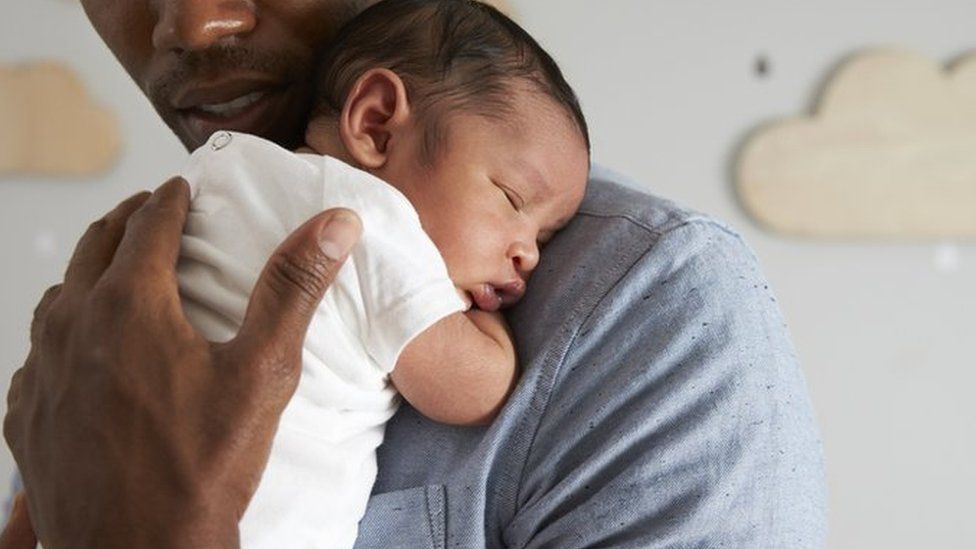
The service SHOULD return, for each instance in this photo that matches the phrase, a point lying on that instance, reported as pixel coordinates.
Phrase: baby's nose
(525, 259)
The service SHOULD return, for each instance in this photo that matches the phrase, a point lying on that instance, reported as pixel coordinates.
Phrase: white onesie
(248, 194)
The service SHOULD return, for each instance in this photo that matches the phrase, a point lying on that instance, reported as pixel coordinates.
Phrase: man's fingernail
(339, 235)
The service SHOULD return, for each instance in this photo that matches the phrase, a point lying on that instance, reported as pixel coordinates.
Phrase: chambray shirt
(661, 404)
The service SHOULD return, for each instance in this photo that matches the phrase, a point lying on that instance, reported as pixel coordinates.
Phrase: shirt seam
(430, 520)
(659, 232)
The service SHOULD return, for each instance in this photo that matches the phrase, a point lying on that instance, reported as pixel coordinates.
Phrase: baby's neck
(322, 137)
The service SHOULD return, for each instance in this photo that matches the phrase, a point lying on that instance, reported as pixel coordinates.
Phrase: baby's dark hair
(451, 55)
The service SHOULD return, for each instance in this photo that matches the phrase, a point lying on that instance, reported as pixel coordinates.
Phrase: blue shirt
(661, 404)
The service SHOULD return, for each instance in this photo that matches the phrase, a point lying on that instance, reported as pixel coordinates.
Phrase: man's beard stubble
(198, 67)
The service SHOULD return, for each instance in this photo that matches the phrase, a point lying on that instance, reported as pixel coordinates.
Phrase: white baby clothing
(248, 195)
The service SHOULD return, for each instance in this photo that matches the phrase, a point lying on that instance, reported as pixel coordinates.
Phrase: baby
(456, 139)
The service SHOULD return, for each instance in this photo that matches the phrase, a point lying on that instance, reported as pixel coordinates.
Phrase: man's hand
(129, 428)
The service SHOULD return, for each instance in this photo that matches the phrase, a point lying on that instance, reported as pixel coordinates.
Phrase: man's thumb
(293, 282)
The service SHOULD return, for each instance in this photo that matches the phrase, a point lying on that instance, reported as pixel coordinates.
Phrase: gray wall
(883, 331)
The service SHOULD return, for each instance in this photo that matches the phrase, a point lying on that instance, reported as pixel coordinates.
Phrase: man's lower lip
(257, 118)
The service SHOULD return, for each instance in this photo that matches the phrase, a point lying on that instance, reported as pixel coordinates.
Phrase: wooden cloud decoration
(49, 125)
(889, 154)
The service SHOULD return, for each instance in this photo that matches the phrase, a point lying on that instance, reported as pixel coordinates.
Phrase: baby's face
(495, 193)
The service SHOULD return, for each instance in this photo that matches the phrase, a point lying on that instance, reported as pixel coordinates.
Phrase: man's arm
(459, 371)
(128, 427)
(679, 417)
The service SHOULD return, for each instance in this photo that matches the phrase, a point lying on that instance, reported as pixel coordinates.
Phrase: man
(661, 403)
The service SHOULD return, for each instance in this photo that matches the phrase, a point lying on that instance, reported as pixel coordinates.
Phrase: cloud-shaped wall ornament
(49, 125)
(890, 153)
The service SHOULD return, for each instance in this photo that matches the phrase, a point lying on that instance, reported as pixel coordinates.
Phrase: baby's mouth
(486, 297)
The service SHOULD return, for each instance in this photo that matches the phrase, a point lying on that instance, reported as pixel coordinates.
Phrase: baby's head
(460, 109)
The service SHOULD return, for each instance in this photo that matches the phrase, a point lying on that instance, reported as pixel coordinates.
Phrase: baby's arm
(460, 370)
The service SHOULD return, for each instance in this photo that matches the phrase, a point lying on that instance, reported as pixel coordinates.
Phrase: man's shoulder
(685, 281)
(624, 237)
(627, 246)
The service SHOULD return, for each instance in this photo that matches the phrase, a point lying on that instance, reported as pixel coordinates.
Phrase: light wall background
(885, 332)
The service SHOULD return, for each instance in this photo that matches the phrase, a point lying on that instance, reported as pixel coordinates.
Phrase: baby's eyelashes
(513, 197)
(512, 201)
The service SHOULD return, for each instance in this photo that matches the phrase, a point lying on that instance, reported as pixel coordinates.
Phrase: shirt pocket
(410, 519)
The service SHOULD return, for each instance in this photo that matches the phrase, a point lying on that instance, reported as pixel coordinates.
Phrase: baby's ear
(375, 114)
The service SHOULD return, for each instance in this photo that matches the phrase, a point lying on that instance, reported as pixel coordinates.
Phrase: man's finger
(293, 283)
(13, 392)
(12, 420)
(97, 246)
(151, 243)
(40, 312)
(18, 533)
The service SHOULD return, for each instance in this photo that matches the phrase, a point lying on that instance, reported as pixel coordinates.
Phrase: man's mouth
(229, 109)
(251, 106)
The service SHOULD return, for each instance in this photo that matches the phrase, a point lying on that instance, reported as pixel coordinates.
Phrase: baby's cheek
(462, 253)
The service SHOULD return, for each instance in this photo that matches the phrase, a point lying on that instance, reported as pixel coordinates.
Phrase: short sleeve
(402, 279)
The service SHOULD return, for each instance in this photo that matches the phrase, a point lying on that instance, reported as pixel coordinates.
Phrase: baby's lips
(511, 292)
(486, 298)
